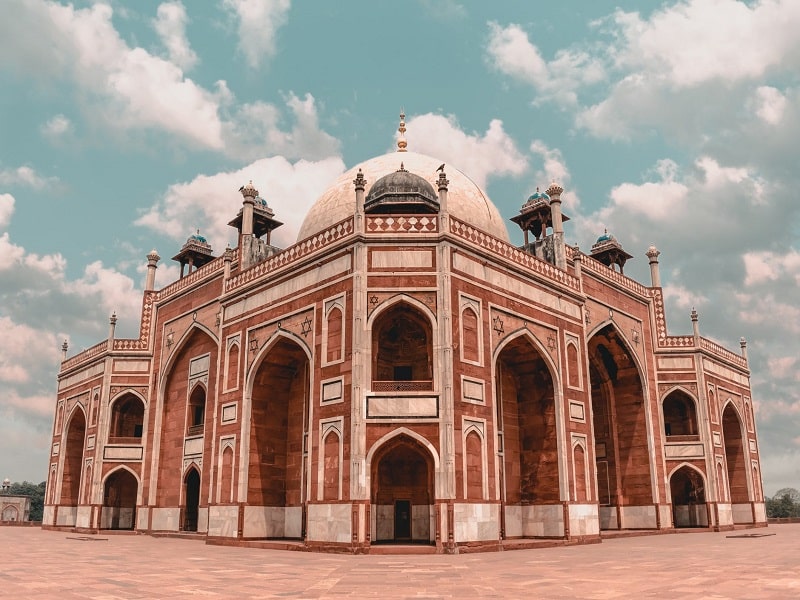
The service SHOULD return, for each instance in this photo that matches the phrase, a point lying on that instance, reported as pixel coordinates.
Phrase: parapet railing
(605, 272)
(402, 224)
(292, 253)
(718, 350)
(506, 250)
(195, 276)
(95, 350)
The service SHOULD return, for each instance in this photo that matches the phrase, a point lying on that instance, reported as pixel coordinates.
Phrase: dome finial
(401, 141)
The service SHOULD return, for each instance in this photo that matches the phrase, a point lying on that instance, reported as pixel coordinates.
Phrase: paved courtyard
(48, 564)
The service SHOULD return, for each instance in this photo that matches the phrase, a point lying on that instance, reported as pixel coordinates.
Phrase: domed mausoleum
(404, 374)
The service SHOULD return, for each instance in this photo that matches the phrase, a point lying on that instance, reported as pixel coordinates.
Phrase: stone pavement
(51, 564)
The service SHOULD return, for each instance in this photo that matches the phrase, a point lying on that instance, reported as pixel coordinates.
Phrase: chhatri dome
(465, 199)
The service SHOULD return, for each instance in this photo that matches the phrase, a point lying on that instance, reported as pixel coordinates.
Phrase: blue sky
(126, 126)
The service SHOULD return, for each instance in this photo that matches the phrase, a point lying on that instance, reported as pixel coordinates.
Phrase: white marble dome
(465, 200)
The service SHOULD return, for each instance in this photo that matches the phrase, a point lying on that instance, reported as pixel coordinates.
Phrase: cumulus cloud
(6, 209)
(696, 41)
(511, 52)
(765, 266)
(25, 176)
(769, 103)
(170, 24)
(56, 127)
(258, 24)
(491, 154)
(127, 87)
(554, 169)
(210, 201)
(254, 131)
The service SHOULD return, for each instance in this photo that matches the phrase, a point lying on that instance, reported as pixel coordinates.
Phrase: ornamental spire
(401, 141)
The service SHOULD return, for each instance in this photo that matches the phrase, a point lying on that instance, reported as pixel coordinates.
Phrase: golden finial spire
(401, 141)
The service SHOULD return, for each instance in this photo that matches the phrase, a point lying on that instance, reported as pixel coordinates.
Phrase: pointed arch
(622, 425)
(194, 327)
(191, 497)
(687, 485)
(533, 469)
(552, 367)
(127, 412)
(626, 343)
(268, 345)
(197, 343)
(580, 470)
(736, 454)
(275, 447)
(73, 445)
(409, 433)
(401, 479)
(121, 468)
(402, 335)
(680, 411)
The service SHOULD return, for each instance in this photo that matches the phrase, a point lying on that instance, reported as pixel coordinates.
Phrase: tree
(36, 493)
(785, 503)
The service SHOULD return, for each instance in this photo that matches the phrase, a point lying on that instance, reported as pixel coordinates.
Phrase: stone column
(112, 325)
(152, 265)
(560, 252)
(655, 277)
(360, 183)
(64, 348)
(695, 328)
(227, 259)
(742, 345)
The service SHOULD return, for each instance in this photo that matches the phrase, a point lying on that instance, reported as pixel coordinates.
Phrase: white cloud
(20, 342)
(126, 87)
(254, 131)
(657, 200)
(766, 266)
(170, 25)
(492, 154)
(56, 127)
(770, 104)
(554, 169)
(259, 21)
(6, 209)
(511, 52)
(210, 201)
(444, 9)
(26, 176)
(695, 41)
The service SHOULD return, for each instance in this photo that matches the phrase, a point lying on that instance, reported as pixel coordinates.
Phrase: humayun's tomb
(404, 373)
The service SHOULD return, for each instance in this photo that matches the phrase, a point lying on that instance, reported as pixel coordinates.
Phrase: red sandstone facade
(404, 373)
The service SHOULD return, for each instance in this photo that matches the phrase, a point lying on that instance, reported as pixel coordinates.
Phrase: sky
(128, 126)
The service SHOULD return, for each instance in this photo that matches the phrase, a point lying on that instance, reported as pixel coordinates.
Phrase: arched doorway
(127, 420)
(191, 496)
(680, 417)
(119, 501)
(621, 434)
(402, 350)
(402, 494)
(278, 427)
(530, 468)
(687, 488)
(10, 513)
(736, 461)
(192, 367)
(73, 459)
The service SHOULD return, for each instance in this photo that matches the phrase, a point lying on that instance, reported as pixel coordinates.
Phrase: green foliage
(36, 493)
(784, 504)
